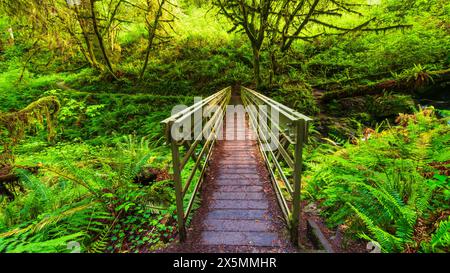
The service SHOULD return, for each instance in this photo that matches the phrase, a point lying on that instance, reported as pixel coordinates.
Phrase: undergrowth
(391, 187)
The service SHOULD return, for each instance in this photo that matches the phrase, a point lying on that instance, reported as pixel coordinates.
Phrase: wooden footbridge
(244, 151)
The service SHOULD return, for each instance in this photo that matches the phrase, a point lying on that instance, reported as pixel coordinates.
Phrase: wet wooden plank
(267, 239)
(237, 214)
(234, 158)
(238, 182)
(239, 204)
(223, 173)
(240, 188)
(238, 195)
(233, 167)
(254, 225)
(238, 176)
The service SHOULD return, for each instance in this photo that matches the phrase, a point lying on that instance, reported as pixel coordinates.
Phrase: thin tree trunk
(147, 55)
(100, 39)
(151, 36)
(32, 54)
(273, 67)
(257, 67)
(91, 56)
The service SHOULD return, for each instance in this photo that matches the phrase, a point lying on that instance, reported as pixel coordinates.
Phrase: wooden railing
(205, 122)
(281, 141)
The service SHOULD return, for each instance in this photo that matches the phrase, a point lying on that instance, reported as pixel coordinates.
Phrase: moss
(377, 107)
(13, 125)
(297, 96)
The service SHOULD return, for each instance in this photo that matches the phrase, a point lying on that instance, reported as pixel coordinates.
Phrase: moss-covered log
(419, 83)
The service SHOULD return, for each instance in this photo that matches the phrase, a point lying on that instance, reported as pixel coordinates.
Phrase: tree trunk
(8, 178)
(90, 56)
(147, 55)
(151, 36)
(257, 67)
(273, 67)
(100, 39)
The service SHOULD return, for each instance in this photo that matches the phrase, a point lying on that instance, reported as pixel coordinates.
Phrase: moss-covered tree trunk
(257, 66)
(89, 54)
(100, 39)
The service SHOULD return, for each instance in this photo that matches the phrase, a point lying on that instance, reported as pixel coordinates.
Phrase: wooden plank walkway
(238, 210)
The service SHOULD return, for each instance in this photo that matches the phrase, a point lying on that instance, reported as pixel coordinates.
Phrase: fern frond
(387, 241)
(49, 246)
(440, 241)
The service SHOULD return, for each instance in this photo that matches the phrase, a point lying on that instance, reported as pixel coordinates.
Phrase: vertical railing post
(178, 186)
(295, 218)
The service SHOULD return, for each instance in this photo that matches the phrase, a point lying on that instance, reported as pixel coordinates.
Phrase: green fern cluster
(381, 189)
(54, 231)
(68, 208)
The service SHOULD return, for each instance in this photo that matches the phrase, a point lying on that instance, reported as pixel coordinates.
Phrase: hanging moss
(13, 125)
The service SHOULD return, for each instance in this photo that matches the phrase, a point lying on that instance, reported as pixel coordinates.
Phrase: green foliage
(411, 74)
(392, 188)
(381, 106)
(440, 240)
(141, 226)
(110, 116)
(298, 97)
(51, 231)
(363, 58)
(84, 205)
(381, 189)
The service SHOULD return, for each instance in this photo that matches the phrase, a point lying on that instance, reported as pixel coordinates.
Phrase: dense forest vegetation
(85, 84)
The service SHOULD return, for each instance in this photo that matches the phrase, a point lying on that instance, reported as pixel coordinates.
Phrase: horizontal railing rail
(191, 148)
(287, 131)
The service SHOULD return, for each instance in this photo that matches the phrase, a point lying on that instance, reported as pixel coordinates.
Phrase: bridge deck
(239, 212)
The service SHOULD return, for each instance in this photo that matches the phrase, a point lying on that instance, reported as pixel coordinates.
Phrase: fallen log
(9, 181)
(9, 178)
(340, 84)
(418, 85)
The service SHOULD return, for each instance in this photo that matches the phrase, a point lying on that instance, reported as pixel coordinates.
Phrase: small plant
(415, 76)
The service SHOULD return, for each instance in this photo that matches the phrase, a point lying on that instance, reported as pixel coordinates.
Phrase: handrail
(293, 134)
(284, 163)
(210, 128)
